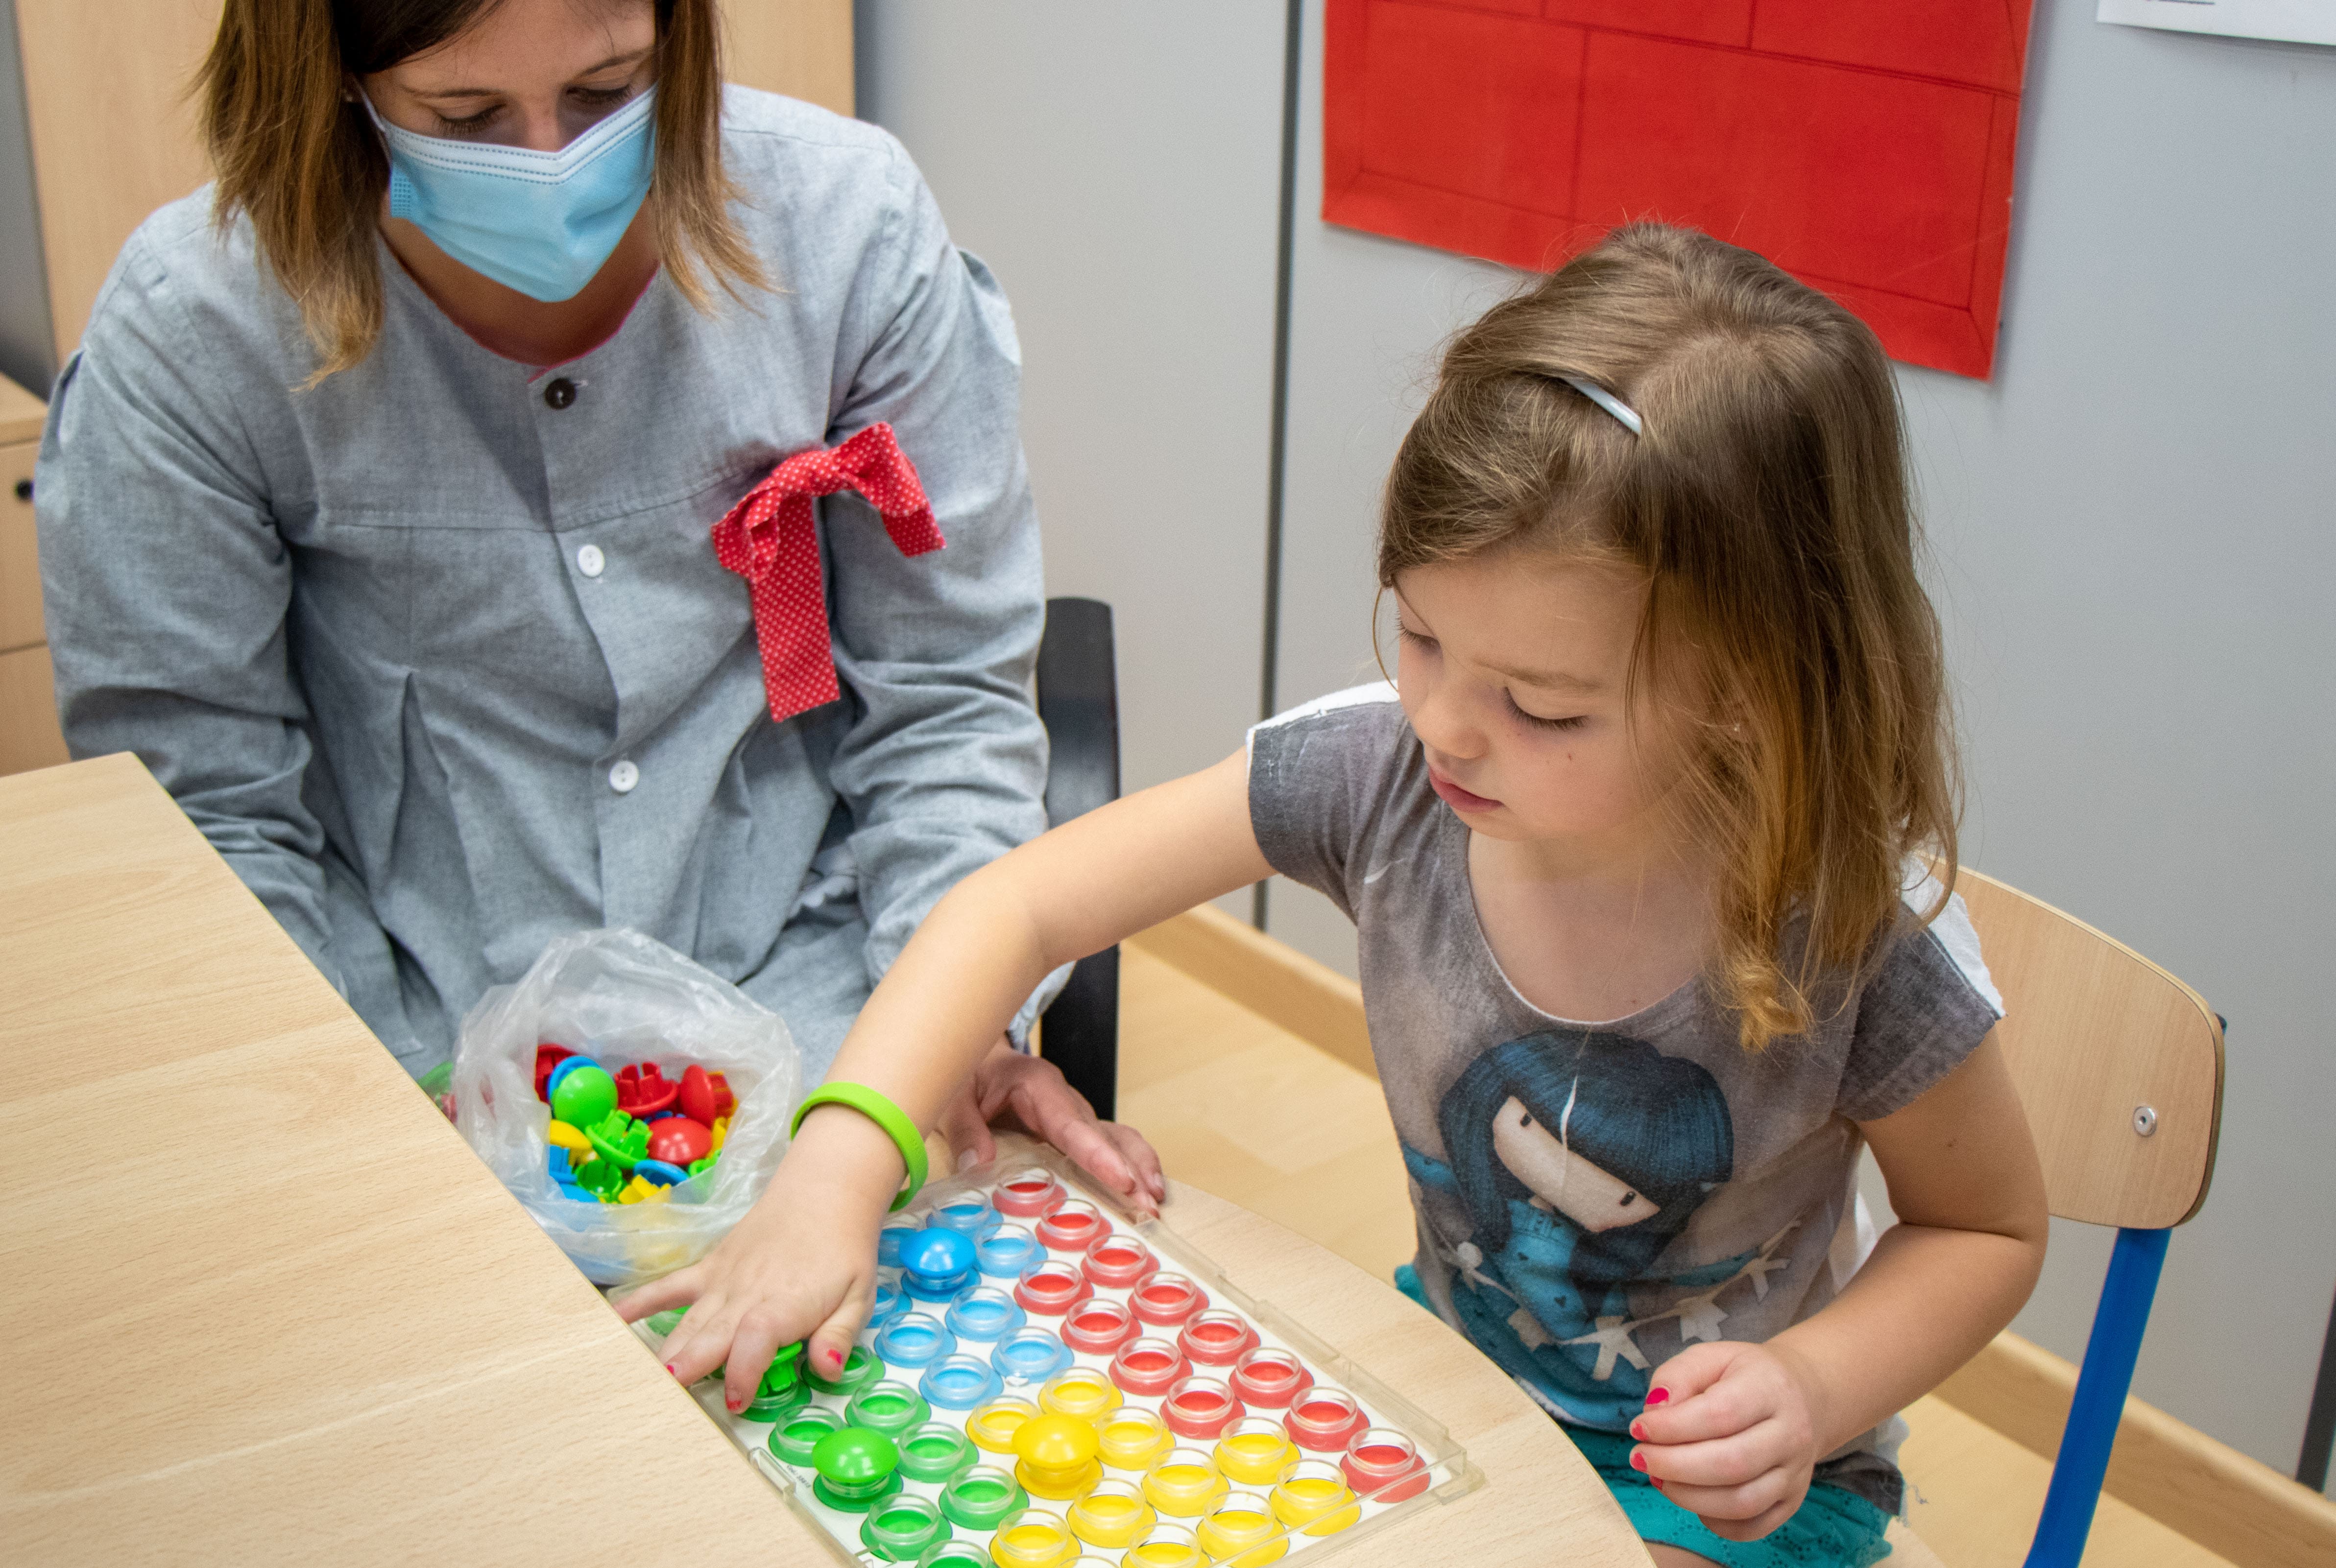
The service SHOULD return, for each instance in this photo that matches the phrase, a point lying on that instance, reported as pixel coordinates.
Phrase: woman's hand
(1728, 1435)
(802, 1264)
(1028, 1094)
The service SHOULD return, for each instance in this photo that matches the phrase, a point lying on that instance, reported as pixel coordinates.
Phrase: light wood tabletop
(263, 1304)
(275, 1311)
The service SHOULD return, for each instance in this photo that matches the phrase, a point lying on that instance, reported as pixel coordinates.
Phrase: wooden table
(279, 1313)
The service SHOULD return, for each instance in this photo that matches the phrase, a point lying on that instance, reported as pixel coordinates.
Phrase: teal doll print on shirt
(1578, 1158)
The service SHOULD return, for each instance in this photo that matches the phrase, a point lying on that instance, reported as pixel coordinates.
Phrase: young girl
(1666, 749)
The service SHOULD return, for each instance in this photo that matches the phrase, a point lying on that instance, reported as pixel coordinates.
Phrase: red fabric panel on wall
(1864, 148)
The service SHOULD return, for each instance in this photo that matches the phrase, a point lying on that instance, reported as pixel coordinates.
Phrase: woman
(379, 505)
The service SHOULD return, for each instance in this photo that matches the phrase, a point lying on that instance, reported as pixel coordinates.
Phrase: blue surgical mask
(540, 222)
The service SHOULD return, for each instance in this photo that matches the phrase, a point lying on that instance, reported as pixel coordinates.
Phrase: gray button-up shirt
(438, 655)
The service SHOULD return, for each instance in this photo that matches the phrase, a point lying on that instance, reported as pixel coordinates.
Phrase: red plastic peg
(679, 1140)
(1200, 1407)
(705, 1095)
(547, 1057)
(643, 1090)
(1269, 1378)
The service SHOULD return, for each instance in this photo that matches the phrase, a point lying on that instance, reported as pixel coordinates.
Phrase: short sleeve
(1925, 1009)
(1317, 777)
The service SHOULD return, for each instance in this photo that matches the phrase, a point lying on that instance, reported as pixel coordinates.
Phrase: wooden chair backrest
(2094, 1032)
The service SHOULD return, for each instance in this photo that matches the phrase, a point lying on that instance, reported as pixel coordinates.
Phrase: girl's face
(1512, 671)
(533, 74)
(1594, 1199)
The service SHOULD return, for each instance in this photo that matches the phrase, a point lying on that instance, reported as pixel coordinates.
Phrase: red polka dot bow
(771, 539)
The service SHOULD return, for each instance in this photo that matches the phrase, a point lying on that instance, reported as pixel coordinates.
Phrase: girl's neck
(1593, 931)
(506, 322)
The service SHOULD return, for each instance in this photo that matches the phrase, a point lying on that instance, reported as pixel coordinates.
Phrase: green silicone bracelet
(884, 1114)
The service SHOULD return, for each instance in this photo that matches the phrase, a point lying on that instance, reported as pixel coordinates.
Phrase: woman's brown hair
(1766, 501)
(309, 170)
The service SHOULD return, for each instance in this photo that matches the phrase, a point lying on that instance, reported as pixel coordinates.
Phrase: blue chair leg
(2099, 1401)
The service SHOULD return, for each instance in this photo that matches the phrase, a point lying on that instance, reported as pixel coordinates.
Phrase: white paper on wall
(2290, 21)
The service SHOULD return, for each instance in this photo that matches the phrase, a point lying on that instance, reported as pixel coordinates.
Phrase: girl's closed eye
(1572, 721)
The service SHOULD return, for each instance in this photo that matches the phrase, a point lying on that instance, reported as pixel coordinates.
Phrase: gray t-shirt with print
(1743, 1165)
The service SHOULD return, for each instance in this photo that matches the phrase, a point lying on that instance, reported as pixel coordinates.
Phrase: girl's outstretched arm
(803, 1262)
(1732, 1432)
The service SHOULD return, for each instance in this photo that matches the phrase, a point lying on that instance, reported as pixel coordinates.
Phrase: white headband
(1622, 410)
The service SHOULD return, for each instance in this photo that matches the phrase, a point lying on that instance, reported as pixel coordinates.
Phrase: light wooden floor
(1253, 1113)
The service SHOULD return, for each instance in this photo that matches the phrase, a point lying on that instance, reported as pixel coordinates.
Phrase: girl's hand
(1728, 1435)
(802, 1264)
(1028, 1094)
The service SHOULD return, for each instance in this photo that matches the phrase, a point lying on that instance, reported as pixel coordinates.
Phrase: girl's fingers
(831, 1343)
(1678, 1383)
(1752, 1529)
(700, 1342)
(1741, 1504)
(1722, 1410)
(752, 1344)
(676, 1289)
(1728, 1461)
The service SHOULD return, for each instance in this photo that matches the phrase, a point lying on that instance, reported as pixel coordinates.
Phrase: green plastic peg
(856, 1469)
(860, 1367)
(954, 1553)
(584, 1096)
(777, 1406)
(935, 1452)
(902, 1528)
(980, 1497)
(618, 1139)
(601, 1179)
(888, 1407)
(700, 1166)
(786, 1371)
(800, 1435)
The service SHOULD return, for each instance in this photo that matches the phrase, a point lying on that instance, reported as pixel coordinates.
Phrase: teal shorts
(1833, 1527)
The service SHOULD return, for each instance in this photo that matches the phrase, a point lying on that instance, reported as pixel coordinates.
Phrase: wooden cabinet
(29, 737)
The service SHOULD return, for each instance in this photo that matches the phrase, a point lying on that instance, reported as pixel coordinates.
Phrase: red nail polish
(1637, 1461)
(668, 1366)
(733, 1406)
(1658, 1481)
(836, 1358)
(1637, 1428)
(1657, 1396)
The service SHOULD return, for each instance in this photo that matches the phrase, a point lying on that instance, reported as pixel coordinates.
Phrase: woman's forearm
(1925, 1302)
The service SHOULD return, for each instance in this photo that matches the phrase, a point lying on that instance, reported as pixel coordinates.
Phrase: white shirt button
(623, 777)
(590, 561)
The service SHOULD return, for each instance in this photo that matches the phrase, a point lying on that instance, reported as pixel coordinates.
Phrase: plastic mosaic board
(1046, 1383)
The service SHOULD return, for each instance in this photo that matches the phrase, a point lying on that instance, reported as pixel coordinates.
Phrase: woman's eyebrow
(631, 57)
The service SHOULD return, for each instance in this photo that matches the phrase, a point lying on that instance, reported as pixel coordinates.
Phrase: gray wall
(28, 354)
(1119, 167)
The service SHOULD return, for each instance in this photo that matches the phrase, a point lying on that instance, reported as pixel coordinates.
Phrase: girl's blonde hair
(309, 170)
(1766, 503)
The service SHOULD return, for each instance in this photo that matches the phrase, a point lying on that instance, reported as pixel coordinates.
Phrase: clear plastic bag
(620, 998)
